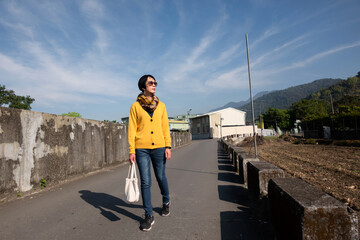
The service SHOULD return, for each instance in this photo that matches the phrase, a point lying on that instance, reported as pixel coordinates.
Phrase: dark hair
(142, 81)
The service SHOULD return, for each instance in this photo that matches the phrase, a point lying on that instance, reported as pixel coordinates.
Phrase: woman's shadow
(104, 201)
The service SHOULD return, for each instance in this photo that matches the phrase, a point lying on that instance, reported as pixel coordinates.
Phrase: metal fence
(342, 128)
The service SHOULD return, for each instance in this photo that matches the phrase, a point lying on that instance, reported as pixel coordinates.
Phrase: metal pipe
(251, 97)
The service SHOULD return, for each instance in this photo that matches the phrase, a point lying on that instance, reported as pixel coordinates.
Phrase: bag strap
(134, 175)
(132, 171)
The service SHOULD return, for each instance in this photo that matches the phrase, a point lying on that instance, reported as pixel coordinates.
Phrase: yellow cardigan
(148, 132)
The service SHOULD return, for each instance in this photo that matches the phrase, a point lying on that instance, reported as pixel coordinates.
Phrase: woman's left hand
(167, 153)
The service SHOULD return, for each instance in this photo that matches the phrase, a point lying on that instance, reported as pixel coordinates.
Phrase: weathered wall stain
(36, 145)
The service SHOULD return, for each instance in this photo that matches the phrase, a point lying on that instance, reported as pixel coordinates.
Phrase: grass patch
(271, 137)
(311, 141)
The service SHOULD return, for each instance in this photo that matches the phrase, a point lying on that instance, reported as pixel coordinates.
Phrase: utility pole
(251, 96)
(332, 104)
(332, 119)
(221, 119)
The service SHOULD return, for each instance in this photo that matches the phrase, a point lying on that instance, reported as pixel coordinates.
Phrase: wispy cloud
(101, 42)
(235, 78)
(325, 53)
(93, 9)
(195, 60)
(290, 46)
(273, 30)
(9, 65)
(50, 78)
(307, 61)
(315, 14)
(230, 52)
(18, 28)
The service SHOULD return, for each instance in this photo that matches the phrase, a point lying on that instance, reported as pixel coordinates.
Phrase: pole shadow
(105, 202)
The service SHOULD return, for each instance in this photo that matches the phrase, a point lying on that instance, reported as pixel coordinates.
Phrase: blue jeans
(157, 157)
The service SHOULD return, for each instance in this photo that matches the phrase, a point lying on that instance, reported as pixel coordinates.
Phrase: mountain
(283, 99)
(346, 88)
(241, 103)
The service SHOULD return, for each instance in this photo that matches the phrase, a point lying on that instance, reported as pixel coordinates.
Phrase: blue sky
(87, 56)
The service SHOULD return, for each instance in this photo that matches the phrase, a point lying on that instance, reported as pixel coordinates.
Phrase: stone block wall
(297, 209)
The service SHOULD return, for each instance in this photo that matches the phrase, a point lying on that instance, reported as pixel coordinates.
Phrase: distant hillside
(344, 88)
(283, 99)
(241, 103)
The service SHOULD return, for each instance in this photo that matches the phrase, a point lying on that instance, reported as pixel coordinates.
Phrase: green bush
(310, 141)
(72, 114)
(43, 183)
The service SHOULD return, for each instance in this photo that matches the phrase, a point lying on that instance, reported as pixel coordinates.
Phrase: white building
(221, 123)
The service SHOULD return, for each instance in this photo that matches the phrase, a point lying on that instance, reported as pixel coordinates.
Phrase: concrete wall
(215, 125)
(243, 131)
(37, 145)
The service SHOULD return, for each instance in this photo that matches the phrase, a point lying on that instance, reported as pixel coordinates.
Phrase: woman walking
(149, 141)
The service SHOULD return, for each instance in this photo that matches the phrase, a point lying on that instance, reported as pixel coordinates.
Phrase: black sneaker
(148, 222)
(165, 211)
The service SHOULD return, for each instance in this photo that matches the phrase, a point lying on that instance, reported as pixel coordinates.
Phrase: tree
(10, 99)
(308, 110)
(348, 101)
(72, 114)
(348, 106)
(274, 118)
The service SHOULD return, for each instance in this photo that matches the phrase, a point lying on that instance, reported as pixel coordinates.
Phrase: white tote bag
(132, 192)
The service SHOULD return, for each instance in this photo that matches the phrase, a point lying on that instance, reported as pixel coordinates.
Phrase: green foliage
(43, 183)
(19, 194)
(308, 110)
(310, 141)
(113, 121)
(274, 118)
(72, 114)
(349, 87)
(348, 100)
(10, 99)
(348, 106)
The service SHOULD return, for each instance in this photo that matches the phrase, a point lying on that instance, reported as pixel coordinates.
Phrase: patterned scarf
(146, 104)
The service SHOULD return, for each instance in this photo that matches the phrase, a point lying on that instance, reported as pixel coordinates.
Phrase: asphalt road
(208, 202)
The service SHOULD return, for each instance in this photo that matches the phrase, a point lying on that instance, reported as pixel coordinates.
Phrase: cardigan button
(152, 132)
(151, 120)
(153, 143)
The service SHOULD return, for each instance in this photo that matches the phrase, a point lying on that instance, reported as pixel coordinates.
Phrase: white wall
(215, 125)
(231, 116)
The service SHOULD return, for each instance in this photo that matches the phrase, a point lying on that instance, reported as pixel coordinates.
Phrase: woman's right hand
(132, 157)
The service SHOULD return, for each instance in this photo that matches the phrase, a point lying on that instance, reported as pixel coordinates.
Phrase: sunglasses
(151, 83)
